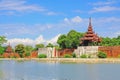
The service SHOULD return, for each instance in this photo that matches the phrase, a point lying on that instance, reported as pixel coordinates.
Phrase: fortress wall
(50, 52)
(112, 51)
(86, 50)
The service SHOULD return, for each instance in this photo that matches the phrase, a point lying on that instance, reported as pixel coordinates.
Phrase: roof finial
(90, 21)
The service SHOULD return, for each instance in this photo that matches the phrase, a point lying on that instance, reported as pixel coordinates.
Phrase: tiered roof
(9, 49)
(90, 35)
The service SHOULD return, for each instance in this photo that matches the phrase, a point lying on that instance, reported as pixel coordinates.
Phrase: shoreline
(67, 60)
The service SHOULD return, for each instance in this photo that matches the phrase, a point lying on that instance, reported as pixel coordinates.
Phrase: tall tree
(73, 37)
(20, 48)
(62, 41)
(71, 40)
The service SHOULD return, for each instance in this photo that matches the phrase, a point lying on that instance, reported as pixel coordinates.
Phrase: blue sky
(44, 20)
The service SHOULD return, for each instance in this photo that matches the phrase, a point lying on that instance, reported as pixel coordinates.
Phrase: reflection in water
(34, 70)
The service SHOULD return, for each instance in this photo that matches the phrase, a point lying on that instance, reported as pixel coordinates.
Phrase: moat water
(34, 70)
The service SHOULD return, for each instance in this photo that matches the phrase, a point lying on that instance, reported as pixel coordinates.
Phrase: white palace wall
(50, 52)
(86, 50)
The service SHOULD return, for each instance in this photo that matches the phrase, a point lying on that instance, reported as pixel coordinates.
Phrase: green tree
(20, 48)
(50, 45)
(37, 46)
(28, 50)
(74, 38)
(71, 40)
(118, 37)
(106, 41)
(2, 40)
(62, 41)
(2, 50)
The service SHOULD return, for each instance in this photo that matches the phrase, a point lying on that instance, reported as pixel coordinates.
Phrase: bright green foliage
(2, 40)
(102, 55)
(67, 56)
(28, 50)
(83, 56)
(2, 50)
(74, 55)
(110, 41)
(42, 56)
(37, 46)
(20, 48)
(50, 45)
(71, 40)
(62, 41)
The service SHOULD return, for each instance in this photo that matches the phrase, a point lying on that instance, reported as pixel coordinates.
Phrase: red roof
(90, 35)
(9, 49)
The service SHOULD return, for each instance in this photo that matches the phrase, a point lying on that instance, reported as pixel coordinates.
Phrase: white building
(88, 50)
(50, 52)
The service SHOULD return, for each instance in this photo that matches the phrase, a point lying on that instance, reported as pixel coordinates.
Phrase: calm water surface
(33, 70)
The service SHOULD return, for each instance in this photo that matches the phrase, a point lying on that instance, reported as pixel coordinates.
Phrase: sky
(42, 21)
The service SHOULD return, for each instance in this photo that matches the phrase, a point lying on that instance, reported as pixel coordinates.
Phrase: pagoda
(8, 49)
(90, 38)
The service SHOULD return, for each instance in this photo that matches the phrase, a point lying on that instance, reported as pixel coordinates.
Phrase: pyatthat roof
(9, 49)
(90, 35)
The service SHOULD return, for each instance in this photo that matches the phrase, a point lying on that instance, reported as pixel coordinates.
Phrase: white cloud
(54, 40)
(78, 11)
(75, 19)
(23, 29)
(104, 9)
(40, 39)
(13, 7)
(19, 5)
(117, 33)
(26, 41)
(103, 3)
(51, 13)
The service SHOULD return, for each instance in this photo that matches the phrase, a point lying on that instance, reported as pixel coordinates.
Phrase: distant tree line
(21, 49)
(72, 40)
(106, 41)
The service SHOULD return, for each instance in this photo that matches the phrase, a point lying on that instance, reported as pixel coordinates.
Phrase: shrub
(102, 55)
(27, 54)
(83, 56)
(74, 55)
(42, 56)
(67, 56)
(89, 56)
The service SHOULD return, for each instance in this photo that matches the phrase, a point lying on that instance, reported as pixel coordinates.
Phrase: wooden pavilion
(90, 38)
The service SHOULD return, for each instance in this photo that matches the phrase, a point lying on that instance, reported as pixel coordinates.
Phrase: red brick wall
(34, 54)
(112, 51)
(62, 52)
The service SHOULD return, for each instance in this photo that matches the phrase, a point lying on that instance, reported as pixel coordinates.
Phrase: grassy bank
(72, 60)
